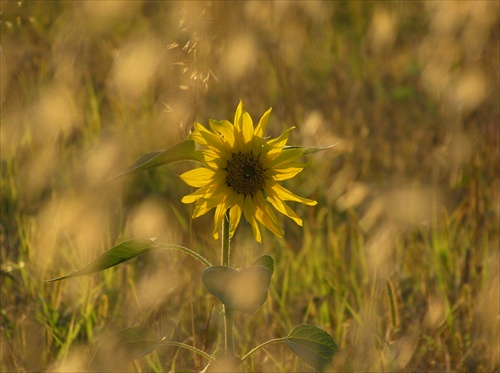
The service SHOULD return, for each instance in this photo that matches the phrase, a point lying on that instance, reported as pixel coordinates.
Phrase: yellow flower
(242, 173)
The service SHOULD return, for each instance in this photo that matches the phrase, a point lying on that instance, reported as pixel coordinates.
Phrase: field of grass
(399, 261)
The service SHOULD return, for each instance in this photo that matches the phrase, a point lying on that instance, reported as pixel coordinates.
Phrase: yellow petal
(284, 174)
(235, 212)
(198, 177)
(220, 212)
(282, 207)
(285, 157)
(247, 127)
(213, 196)
(285, 195)
(249, 211)
(190, 198)
(274, 146)
(261, 127)
(203, 136)
(224, 128)
(223, 199)
(237, 117)
(243, 126)
(212, 159)
(266, 216)
(202, 207)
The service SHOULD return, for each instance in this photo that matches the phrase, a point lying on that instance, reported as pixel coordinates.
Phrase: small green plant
(239, 176)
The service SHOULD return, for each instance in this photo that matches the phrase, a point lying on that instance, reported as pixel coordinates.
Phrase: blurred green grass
(399, 259)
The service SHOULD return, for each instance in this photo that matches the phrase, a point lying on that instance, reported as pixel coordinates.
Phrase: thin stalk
(228, 327)
(228, 312)
(191, 348)
(187, 251)
(262, 345)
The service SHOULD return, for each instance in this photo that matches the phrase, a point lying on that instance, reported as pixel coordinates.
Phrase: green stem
(229, 340)
(228, 312)
(187, 251)
(191, 348)
(262, 345)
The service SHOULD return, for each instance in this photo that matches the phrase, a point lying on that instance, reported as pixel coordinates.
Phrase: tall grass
(399, 260)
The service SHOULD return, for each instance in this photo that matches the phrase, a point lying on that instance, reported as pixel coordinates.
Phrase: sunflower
(241, 173)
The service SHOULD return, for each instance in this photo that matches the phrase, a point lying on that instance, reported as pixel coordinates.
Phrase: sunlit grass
(399, 259)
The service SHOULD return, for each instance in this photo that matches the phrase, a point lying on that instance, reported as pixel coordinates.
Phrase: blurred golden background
(400, 259)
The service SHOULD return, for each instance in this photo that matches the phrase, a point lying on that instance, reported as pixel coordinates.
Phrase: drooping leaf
(183, 151)
(313, 345)
(137, 341)
(116, 255)
(309, 149)
(265, 261)
(123, 252)
(243, 290)
(126, 345)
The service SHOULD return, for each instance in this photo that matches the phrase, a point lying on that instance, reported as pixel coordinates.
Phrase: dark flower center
(245, 173)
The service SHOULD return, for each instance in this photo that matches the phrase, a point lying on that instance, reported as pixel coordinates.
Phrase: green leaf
(313, 345)
(116, 255)
(126, 345)
(132, 343)
(183, 151)
(243, 290)
(265, 261)
(126, 251)
(137, 341)
(309, 149)
(215, 279)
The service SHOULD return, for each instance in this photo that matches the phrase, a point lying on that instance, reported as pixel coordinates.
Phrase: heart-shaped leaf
(183, 151)
(313, 345)
(243, 290)
(126, 251)
(265, 261)
(215, 279)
